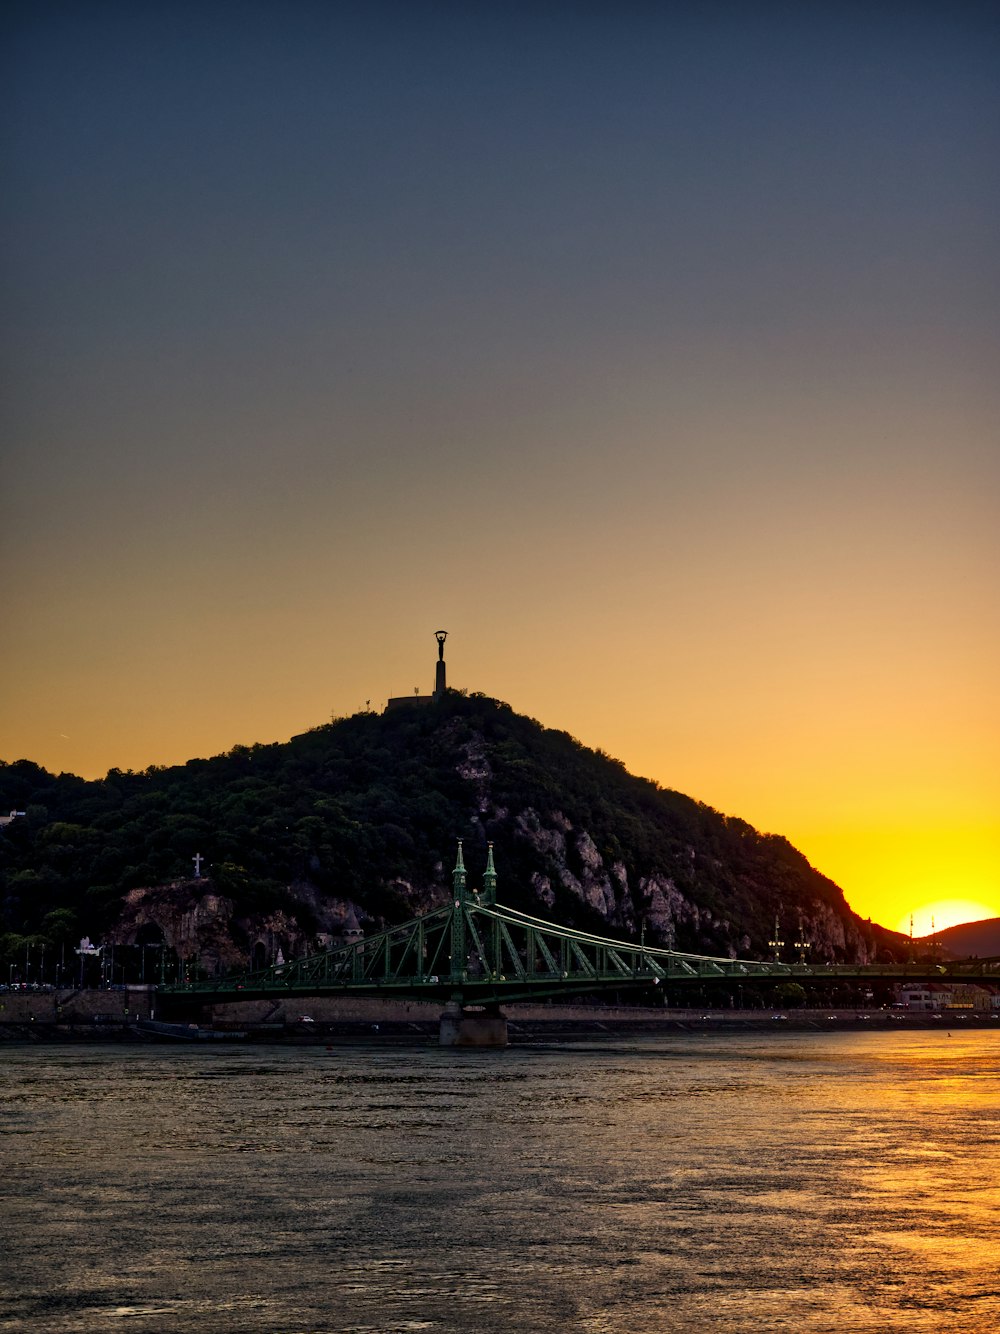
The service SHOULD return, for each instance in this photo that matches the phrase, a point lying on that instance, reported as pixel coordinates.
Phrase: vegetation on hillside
(367, 809)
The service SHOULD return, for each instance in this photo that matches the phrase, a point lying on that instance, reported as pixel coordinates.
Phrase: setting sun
(949, 874)
(931, 917)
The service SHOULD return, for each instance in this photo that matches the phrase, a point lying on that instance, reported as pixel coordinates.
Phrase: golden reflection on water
(839, 1181)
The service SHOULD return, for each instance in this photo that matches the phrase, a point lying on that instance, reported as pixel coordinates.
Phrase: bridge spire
(458, 951)
(458, 875)
(489, 877)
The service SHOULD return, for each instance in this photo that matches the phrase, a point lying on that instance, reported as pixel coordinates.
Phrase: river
(691, 1181)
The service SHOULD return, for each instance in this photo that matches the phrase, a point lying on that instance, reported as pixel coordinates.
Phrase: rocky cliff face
(655, 903)
(197, 923)
(352, 826)
(567, 869)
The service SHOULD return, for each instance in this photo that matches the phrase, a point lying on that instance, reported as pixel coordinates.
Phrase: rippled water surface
(687, 1182)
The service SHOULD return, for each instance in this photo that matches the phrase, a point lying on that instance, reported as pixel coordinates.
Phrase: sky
(651, 350)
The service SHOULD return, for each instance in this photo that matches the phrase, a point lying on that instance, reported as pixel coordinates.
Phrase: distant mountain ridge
(352, 825)
(968, 940)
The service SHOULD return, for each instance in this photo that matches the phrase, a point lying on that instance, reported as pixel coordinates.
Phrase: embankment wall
(81, 1014)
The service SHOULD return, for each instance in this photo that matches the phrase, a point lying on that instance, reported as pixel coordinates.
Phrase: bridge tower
(484, 1026)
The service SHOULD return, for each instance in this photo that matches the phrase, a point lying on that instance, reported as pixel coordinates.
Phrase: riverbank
(119, 1016)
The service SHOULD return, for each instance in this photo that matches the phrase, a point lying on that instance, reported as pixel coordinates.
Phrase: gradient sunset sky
(650, 349)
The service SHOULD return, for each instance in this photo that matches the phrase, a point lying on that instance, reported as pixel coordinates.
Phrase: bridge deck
(487, 953)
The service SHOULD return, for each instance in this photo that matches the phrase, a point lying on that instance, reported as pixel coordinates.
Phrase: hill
(352, 825)
(980, 940)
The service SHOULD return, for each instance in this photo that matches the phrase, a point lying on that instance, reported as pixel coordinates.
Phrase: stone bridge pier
(478, 1026)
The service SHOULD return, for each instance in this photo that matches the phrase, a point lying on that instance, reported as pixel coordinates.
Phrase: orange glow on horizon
(902, 819)
(945, 872)
(931, 917)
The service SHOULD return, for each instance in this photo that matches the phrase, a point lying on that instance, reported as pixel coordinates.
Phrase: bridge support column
(472, 1028)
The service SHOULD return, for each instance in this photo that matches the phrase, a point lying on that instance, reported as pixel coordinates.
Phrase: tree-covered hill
(357, 820)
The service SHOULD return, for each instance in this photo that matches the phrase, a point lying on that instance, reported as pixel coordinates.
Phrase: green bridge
(474, 954)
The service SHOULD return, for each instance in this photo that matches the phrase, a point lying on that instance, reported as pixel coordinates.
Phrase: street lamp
(777, 944)
(150, 945)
